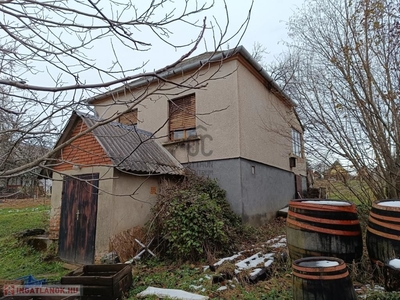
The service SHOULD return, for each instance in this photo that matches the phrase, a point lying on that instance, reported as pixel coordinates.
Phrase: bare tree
(57, 54)
(343, 69)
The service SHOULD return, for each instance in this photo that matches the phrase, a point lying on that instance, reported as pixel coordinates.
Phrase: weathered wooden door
(299, 187)
(78, 218)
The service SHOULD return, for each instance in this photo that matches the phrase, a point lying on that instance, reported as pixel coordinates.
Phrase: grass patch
(17, 258)
(192, 278)
(14, 220)
(352, 190)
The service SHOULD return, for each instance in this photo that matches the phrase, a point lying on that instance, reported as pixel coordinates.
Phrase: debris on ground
(110, 258)
(31, 232)
(254, 263)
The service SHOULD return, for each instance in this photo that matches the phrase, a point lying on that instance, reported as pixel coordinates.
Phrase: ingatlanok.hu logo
(48, 290)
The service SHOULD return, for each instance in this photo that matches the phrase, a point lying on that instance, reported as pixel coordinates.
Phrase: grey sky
(267, 26)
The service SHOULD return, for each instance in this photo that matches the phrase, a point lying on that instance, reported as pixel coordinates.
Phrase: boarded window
(182, 118)
(129, 118)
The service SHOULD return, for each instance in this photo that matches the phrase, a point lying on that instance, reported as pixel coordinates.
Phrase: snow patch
(171, 293)
(390, 203)
(253, 261)
(230, 258)
(325, 202)
(319, 263)
(395, 263)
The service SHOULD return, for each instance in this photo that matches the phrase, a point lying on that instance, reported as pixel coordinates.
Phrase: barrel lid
(391, 203)
(327, 263)
(388, 204)
(323, 263)
(323, 205)
(328, 202)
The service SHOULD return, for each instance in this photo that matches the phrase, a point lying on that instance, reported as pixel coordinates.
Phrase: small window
(182, 118)
(296, 142)
(129, 118)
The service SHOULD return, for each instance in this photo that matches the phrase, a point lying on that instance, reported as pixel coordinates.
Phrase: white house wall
(265, 124)
(133, 197)
(217, 116)
(245, 143)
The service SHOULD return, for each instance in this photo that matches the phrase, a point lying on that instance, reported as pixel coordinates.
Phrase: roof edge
(217, 57)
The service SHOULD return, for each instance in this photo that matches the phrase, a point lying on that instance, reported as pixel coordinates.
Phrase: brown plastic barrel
(383, 231)
(323, 227)
(317, 278)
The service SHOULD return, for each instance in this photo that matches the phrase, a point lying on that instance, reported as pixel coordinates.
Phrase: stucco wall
(216, 112)
(265, 124)
(124, 201)
(127, 207)
(255, 197)
(237, 116)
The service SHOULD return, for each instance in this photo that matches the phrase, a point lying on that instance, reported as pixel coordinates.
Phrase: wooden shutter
(129, 118)
(182, 113)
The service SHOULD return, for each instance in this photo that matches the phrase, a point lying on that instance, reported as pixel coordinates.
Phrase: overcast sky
(267, 23)
(267, 26)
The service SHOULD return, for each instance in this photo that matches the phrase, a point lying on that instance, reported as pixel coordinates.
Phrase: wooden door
(78, 218)
(299, 187)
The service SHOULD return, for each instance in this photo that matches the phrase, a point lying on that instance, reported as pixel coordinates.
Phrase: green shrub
(194, 219)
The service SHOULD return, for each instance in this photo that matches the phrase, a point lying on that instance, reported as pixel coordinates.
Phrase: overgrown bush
(194, 220)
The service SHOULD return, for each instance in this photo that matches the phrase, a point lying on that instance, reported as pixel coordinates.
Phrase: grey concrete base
(255, 191)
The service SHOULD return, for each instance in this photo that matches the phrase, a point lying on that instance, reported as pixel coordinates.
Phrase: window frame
(123, 119)
(187, 113)
(297, 142)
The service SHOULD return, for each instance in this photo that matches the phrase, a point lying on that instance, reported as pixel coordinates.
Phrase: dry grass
(24, 203)
(227, 268)
(125, 245)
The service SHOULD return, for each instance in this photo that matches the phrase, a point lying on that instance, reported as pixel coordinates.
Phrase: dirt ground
(23, 203)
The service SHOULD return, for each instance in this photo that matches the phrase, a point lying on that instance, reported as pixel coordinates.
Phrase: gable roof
(129, 148)
(196, 62)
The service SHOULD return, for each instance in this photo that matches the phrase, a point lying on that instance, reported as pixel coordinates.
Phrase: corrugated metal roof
(133, 149)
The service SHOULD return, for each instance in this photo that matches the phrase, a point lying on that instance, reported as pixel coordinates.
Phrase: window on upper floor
(129, 118)
(296, 143)
(182, 118)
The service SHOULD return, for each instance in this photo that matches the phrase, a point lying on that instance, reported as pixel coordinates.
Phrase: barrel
(327, 278)
(383, 231)
(391, 272)
(323, 227)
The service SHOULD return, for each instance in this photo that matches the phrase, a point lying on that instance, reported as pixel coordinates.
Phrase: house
(221, 115)
(104, 182)
(225, 119)
(336, 172)
(24, 185)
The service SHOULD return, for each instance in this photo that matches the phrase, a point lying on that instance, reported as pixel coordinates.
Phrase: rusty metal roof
(132, 149)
